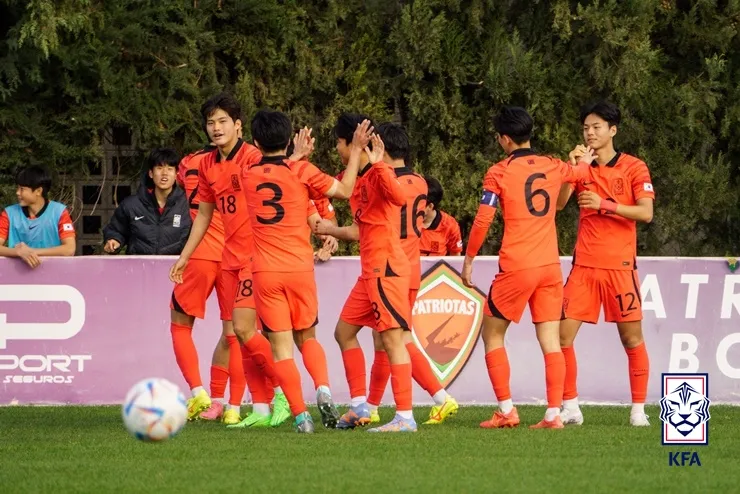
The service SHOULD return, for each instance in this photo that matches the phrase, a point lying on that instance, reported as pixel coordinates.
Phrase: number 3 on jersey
(273, 202)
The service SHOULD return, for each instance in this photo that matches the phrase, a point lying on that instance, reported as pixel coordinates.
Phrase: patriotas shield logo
(447, 320)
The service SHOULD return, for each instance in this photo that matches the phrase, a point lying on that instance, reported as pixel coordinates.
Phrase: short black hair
(34, 177)
(347, 124)
(396, 140)
(222, 101)
(272, 130)
(435, 192)
(159, 156)
(515, 122)
(604, 109)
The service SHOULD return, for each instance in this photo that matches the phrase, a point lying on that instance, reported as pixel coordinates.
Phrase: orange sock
(570, 391)
(290, 381)
(314, 359)
(219, 378)
(401, 384)
(256, 382)
(237, 381)
(499, 373)
(554, 378)
(186, 354)
(380, 372)
(354, 369)
(639, 366)
(260, 350)
(421, 370)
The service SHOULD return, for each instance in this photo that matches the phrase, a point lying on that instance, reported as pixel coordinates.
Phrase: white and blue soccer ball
(154, 410)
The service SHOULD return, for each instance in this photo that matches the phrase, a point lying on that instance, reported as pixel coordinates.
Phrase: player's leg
(623, 305)
(581, 303)
(380, 373)
(188, 302)
(391, 312)
(355, 314)
(302, 298)
(219, 375)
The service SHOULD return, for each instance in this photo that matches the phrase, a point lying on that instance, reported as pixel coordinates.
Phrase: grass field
(86, 449)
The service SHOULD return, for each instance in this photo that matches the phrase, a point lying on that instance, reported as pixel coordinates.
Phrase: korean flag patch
(647, 187)
(489, 199)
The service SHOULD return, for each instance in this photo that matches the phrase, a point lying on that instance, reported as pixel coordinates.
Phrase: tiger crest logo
(446, 321)
(684, 409)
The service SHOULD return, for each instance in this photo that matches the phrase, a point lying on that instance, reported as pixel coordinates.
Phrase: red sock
(314, 359)
(554, 378)
(570, 391)
(639, 366)
(401, 384)
(380, 372)
(219, 378)
(354, 369)
(256, 382)
(290, 381)
(238, 382)
(499, 373)
(186, 354)
(421, 370)
(260, 350)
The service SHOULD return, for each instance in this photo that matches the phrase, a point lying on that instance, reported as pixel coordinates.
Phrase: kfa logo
(684, 411)
(447, 319)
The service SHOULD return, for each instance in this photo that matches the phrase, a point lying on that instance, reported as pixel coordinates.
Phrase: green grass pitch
(86, 449)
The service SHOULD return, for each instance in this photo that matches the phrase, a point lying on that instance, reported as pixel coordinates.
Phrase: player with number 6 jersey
(524, 186)
(616, 194)
(410, 224)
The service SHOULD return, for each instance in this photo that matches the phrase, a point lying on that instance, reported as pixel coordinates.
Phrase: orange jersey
(324, 208)
(211, 248)
(65, 227)
(220, 183)
(412, 219)
(375, 203)
(442, 237)
(606, 240)
(526, 186)
(278, 193)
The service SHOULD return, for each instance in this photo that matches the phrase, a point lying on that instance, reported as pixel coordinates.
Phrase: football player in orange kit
(523, 185)
(617, 193)
(441, 233)
(278, 192)
(379, 299)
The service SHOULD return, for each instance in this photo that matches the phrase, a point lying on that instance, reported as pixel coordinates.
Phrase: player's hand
(303, 144)
(323, 227)
(378, 151)
(321, 255)
(576, 154)
(177, 269)
(467, 273)
(112, 246)
(362, 135)
(589, 200)
(28, 255)
(331, 244)
(589, 155)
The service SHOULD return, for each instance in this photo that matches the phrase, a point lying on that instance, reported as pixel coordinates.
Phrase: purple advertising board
(84, 330)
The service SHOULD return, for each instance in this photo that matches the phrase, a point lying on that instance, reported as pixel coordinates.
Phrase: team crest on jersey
(684, 409)
(363, 193)
(618, 187)
(447, 319)
(235, 184)
(435, 247)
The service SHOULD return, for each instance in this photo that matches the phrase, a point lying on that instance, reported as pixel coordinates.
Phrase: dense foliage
(71, 69)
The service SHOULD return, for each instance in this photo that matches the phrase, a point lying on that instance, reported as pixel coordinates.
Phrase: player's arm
(66, 233)
(566, 190)
(362, 136)
(481, 224)
(579, 154)
(349, 233)
(6, 251)
(118, 229)
(199, 228)
(4, 231)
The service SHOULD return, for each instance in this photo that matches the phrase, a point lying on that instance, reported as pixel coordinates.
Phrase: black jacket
(138, 225)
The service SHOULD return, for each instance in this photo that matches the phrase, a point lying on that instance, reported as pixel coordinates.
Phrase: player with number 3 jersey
(524, 186)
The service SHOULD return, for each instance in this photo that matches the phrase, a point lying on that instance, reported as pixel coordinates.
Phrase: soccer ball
(154, 410)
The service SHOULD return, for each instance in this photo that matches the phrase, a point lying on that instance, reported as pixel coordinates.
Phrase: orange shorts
(588, 289)
(286, 301)
(540, 287)
(239, 284)
(198, 281)
(379, 303)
